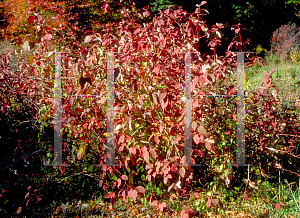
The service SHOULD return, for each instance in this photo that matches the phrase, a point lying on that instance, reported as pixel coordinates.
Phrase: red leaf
(165, 180)
(195, 103)
(173, 168)
(47, 37)
(162, 96)
(34, 72)
(62, 169)
(170, 187)
(154, 202)
(200, 153)
(266, 78)
(121, 139)
(19, 41)
(162, 205)
(271, 71)
(82, 137)
(27, 195)
(246, 197)
(161, 128)
(196, 194)
(202, 3)
(85, 125)
(71, 101)
(110, 194)
(39, 17)
(68, 90)
(184, 214)
(163, 43)
(132, 160)
(144, 149)
(177, 139)
(124, 177)
(208, 146)
(140, 189)
(278, 206)
(30, 19)
(88, 39)
(156, 139)
(100, 183)
(113, 201)
(156, 70)
(105, 7)
(196, 139)
(133, 194)
(164, 104)
(119, 182)
(27, 202)
(146, 156)
(98, 124)
(152, 153)
(181, 171)
(208, 202)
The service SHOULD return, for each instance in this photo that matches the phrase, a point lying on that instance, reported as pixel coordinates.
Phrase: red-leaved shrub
(285, 38)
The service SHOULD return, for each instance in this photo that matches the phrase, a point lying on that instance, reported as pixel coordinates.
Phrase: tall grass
(284, 76)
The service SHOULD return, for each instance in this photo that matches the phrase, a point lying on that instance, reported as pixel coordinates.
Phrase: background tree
(15, 21)
(260, 18)
(296, 6)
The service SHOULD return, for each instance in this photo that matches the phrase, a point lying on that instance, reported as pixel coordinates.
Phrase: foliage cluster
(294, 54)
(284, 39)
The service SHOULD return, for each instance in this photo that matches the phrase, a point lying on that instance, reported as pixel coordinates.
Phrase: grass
(284, 76)
(257, 207)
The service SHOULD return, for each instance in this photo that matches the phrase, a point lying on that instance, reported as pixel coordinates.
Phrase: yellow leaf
(167, 118)
(19, 210)
(81, 151)
(154, 124)
(30, 58)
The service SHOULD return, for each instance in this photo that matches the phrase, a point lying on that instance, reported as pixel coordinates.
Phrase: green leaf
(114, 178)
(90, 168)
